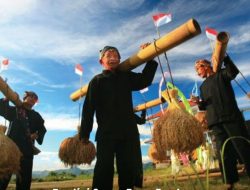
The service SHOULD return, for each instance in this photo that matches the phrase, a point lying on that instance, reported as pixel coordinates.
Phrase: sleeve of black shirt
(202, 104)
(40, 127)
(139, 81)
(7, 111)
(230, 71)
(88, 110)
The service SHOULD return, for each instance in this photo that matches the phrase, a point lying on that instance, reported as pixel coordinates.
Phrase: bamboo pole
(219, 50)
(9, 93)
(181, 34)
(149, 104)
(79, 93)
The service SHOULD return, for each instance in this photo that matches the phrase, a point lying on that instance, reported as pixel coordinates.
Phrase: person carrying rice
(223, 115)
(26, 126)
(109, 95)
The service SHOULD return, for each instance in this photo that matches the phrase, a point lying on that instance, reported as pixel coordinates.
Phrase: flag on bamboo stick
(78, 69)
(211, 33)
(144, 90)
(161, 19)
(195, 90)
(4, 64)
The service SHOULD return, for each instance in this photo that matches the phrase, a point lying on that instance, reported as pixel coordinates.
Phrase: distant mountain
(75, 171)
(40, 174)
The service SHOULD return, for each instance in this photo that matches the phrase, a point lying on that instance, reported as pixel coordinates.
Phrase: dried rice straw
(155, 155)
(73, 152)
(2, 128)
(10, 156)
(201, 117)
(178, 129)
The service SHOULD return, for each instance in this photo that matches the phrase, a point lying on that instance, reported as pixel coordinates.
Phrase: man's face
(202, 71)
(110, 59)
(31, 100)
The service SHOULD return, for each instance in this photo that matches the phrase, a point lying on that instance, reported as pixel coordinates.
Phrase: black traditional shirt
(109, 96)
(23, 122)
(218, 97)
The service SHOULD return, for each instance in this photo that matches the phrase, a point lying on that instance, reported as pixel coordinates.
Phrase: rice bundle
(178, 129)
(10, 156)
(201, 117)
(2, 128)
(73, 152)
(155, 155)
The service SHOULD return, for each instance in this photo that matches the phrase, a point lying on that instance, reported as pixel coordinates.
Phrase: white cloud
(47, 161)
(63, 122)
(144, 130)
(243, 102)
(15, 8)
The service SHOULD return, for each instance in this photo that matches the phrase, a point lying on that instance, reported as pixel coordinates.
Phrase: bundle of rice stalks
(201, 117)
(155, 155)
(74, 152)
(179, 130)
(2, 128)
(10, 156)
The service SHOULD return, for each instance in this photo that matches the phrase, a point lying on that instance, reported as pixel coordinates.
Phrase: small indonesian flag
(144, 90)
(4, 64)
(161, 19)
(78, 69)
(211, 33)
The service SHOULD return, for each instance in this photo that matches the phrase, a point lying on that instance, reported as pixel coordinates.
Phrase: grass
(153, 179)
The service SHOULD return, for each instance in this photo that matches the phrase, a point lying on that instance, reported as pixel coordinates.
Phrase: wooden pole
(9, 93)
(181, 34)
(219, 50)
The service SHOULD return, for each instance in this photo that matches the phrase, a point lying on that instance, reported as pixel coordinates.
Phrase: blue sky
(44, 39)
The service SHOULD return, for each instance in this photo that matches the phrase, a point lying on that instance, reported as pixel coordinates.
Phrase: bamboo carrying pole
(149, 104)
(9, 93)
(79, 93)
(219, 50)
(156, 102)
(181, 34)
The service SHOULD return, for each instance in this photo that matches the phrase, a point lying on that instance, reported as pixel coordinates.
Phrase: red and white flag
(211, 33)
(144, 90)
(4, 64)
(161, 19)
(78, 69)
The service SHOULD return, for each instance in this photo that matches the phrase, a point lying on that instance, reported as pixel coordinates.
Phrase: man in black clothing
(223, 115)
(109, 96)
(138, 165)
(26, 126)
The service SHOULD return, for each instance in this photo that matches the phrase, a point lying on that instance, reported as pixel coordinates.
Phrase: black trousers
(23, 179)
(125, 153)
(235, 149)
